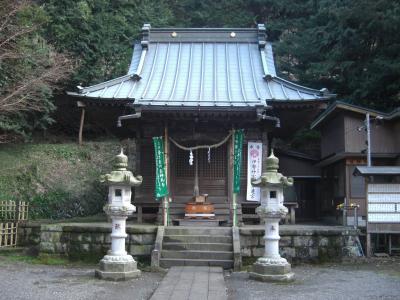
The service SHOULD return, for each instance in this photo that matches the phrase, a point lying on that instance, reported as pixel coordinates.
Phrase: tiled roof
(202, 67)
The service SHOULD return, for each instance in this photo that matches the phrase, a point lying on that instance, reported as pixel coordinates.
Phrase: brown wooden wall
(294, 167)
(383, 135)
(332, 139)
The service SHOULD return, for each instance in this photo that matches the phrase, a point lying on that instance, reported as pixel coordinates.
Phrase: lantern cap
(120, 175)
(271, 177)
(272, 162)
(121, 161)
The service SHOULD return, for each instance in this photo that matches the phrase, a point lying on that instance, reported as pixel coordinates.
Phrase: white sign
(383, 203)
(254, 166)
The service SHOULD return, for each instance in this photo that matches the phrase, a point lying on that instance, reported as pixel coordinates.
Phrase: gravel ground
(25, 281)
(372, 279)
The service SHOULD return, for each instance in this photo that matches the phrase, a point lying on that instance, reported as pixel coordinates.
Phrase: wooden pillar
(368, 246)
(82, 106)
(166, 220)
(230, 176)
(368, 239)
(265, 150)
(139, 213)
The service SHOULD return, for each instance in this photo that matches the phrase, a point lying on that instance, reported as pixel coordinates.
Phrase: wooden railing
(11, 214)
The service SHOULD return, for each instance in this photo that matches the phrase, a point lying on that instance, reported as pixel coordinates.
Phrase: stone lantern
(271, 266)
(117, 264)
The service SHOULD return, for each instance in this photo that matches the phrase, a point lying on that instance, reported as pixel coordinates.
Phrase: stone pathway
(194, 283)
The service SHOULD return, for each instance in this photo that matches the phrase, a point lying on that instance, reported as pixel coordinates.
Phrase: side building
(344, 147)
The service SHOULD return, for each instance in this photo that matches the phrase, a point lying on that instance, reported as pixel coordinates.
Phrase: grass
(12, 256)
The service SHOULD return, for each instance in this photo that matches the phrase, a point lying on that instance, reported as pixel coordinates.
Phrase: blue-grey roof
(339, 105)
(202, 67)
(380, 170)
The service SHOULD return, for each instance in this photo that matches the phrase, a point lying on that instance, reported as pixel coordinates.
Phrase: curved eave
(202, 68)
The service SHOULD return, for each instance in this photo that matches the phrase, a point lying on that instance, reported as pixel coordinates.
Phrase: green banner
(237, 159)
(161, 179)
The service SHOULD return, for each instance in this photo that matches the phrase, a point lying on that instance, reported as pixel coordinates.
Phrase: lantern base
(117, 268)
(272, 272)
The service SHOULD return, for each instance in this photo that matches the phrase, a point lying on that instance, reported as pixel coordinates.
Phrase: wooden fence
(11, 214)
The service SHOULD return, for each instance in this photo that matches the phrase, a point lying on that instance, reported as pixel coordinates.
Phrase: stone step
(188, 239)
(198, 246)
(196, 254)
(172, 262)
(180, 230)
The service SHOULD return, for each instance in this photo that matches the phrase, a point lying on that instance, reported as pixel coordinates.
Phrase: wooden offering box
(199, 209)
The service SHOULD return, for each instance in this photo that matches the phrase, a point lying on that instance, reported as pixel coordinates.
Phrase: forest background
(351, 47)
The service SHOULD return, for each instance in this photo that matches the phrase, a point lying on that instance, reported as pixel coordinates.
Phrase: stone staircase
(197, 246)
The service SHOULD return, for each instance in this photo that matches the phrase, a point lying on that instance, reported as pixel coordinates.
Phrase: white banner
(254, 166)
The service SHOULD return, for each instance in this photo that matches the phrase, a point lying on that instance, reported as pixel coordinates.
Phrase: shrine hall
(194, 87)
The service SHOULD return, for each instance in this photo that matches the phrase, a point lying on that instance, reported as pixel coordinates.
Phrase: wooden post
(139, 214)
(82, 106)
(264, 140)
(368, 240)
(234, 204)
(166, 154)
(369, 252)
(230, 175)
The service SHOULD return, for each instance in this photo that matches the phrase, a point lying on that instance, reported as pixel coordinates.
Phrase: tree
(30, 70)
(100, 33)
(350, 46)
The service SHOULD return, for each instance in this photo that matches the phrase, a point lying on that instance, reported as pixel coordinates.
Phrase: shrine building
(193, 86)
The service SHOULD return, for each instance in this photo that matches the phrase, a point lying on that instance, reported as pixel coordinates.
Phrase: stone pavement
(192, 283)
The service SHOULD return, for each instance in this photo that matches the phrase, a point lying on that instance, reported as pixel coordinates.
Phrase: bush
(59, 181)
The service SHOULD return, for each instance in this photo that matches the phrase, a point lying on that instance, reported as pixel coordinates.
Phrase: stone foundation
(85, 240)
(298, 243)
(302, 243)
(117, 270)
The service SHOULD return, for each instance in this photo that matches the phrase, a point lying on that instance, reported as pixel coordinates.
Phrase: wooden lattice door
(212, 174)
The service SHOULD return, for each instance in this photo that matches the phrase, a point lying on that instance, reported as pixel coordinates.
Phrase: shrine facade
(193, 86)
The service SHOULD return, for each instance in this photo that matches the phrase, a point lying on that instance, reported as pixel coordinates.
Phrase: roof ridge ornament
(145, 35)
(262, 36)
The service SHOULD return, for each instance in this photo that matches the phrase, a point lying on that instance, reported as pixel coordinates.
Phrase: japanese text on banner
(254, 165)
(161, 189)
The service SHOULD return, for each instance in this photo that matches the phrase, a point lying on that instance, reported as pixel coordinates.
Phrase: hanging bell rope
(202, 146)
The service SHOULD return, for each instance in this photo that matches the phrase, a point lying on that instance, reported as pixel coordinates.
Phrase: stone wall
(303, 243)
(298, 243)
(85, 240)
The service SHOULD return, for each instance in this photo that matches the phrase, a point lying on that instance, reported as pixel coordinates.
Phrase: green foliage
(59, 181)
(351, 47)
(29, 70)
(100, 32)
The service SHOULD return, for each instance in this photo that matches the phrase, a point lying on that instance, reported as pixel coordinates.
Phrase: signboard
(383, 203)
(254, 168)
(237, 159)
(161, 189)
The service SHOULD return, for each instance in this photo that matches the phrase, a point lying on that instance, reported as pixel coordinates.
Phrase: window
(272, 194)
(118, 193)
